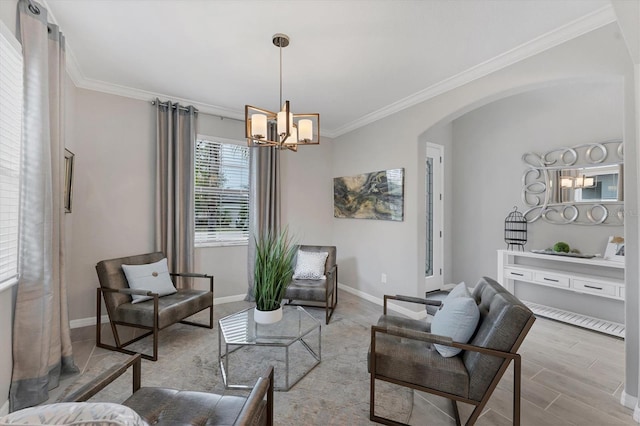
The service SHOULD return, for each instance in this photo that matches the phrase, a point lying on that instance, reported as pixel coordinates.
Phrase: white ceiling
(353, 61)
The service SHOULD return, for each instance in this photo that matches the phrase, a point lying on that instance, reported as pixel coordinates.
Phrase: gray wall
(114, 195)
(371, 247)
(487, 150)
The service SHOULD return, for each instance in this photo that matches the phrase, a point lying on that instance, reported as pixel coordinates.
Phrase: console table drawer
(551, 279)
(595, 287)
(518, 274)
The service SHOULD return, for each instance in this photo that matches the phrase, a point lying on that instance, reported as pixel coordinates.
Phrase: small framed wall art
(68, 180)
(615, 249)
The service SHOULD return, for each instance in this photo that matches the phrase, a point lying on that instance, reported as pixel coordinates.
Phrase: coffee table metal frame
(239, 330)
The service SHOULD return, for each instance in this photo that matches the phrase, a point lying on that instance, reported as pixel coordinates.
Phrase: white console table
(585, 292)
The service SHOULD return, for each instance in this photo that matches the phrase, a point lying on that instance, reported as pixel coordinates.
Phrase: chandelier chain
(280, 48)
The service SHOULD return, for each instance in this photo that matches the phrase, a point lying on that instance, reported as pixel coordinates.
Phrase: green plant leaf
(273, 268)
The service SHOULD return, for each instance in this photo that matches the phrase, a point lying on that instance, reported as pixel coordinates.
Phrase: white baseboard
(631, 402)
(628, 400)
(229, 299)
(87, 322)
(5, 408)
(378, 301)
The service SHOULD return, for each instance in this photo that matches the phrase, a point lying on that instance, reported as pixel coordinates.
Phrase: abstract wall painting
(376, 195)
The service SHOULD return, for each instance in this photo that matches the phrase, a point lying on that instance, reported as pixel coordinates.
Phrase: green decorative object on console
(561, 247)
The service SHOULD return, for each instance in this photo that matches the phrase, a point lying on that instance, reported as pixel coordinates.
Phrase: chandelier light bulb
(259, 126)
(305, 130)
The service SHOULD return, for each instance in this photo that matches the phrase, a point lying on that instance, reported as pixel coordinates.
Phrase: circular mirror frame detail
(537, 183)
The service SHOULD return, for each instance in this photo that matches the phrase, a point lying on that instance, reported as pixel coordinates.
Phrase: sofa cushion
(457, 318)
(310, 265)
(172, 407)
(314, 290)
(75, 413)
(417, 362)
(152, 277)
(171, 309)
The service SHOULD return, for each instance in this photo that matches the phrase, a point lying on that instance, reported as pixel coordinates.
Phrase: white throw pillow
(457, 318)
(75, 413)
(152, 277)
(310, 265)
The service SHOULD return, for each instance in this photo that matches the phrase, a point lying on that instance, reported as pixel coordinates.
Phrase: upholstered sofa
(152, 406)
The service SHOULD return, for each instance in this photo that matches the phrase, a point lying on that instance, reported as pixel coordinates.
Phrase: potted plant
(272, 274)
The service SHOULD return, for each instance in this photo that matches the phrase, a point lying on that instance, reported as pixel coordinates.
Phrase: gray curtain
(264, 201)
(41, 336)
(175, 221)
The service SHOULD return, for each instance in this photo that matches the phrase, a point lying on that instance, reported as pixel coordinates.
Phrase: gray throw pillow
(457, 318)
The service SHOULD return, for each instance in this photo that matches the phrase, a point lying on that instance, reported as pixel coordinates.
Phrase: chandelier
(282, 129)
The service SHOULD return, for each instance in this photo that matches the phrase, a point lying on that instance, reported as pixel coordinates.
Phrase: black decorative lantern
(515, 230)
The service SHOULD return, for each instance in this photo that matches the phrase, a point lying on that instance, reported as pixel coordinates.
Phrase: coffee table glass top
(241, 329)
(292, 346)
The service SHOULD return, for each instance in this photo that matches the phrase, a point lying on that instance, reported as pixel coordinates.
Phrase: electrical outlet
(383, 278)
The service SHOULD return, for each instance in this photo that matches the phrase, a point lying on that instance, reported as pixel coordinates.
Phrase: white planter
(267, 317)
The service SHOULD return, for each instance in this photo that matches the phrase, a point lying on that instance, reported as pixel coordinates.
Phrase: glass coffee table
(246, 348)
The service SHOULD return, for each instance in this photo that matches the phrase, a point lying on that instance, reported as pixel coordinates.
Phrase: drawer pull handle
(593, 287)
(551, 279)
(517, 273)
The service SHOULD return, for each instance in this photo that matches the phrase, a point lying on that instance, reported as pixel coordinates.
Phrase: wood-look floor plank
(594, 397)
(584, 414)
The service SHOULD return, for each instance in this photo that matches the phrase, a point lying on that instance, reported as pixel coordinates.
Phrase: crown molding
(597, 19)
(129, 92)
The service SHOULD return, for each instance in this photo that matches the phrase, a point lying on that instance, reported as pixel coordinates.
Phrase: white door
(434, 179)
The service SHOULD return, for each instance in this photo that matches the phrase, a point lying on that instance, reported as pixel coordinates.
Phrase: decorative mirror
(581, 185)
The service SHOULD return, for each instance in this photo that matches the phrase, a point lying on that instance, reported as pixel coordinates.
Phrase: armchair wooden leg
(517, 364)
(456, 412)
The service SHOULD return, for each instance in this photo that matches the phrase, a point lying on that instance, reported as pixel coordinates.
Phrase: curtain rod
(222, 117)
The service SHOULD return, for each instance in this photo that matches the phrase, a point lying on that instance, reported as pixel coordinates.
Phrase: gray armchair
(156, 406)
(151, 315)
(402, 352)
(324, 291)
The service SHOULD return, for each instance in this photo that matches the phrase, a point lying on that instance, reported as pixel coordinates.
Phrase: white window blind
(10, 144)
(221, 193)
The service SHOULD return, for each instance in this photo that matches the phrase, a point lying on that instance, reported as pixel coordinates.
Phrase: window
(10, 145)
(221, 193)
